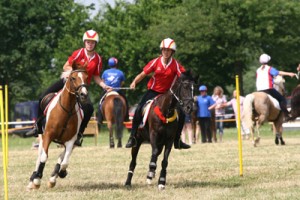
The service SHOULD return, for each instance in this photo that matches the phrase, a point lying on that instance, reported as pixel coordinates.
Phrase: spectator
(232, 102)
(187, 130)
(205, 104)
(220, 99)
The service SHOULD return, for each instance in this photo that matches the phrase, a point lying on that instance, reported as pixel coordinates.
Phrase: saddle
(46, 101)
(106, 95)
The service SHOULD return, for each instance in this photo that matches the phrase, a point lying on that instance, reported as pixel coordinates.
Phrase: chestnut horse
(63, 119)
(113, 109)
(161, 126)
(259, 108)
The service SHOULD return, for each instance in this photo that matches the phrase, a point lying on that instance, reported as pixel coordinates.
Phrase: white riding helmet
(91, 35)
(264, 58)
(168, 43)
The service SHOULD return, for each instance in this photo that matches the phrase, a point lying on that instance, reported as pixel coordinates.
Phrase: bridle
(73, 90)
(73, 86)
(177, 92)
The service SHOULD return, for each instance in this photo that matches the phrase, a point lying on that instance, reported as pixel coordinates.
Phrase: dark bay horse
(63, 119)
(259, 108)
(161, 126)
(113, 109)
(295, 103)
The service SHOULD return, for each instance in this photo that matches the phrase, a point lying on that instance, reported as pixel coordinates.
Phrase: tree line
(216, 39)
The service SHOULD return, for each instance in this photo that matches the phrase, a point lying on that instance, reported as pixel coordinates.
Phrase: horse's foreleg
(35, 179)
(56, 172)
(134, 153)
(164, 165)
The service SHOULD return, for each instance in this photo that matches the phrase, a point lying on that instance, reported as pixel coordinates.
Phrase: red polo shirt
(94, 63)
(164, 75)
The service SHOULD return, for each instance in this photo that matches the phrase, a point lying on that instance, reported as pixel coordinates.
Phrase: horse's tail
(119, 117)
(247, 112)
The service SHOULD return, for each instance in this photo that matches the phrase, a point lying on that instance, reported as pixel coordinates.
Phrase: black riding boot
(88, 112)
(131, 141)
(37, 129)
(135, 123)
(286, 113)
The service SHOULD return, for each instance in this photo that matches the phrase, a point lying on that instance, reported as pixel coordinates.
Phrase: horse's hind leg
(134, 153)
(35, 179)
(164, 165)
(278, 136)
(111, 135)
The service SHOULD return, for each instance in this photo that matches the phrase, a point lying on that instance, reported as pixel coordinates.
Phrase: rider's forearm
(67, 67)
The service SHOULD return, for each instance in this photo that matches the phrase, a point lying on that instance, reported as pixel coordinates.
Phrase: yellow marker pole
(3, 145)
(6, 122)
(239, 123)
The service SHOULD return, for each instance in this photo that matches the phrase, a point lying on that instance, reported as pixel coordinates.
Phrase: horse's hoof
(62, 173)
(282, 143)
(149, 181)
(51, 184)
(111, 146)
(161, 187)
(128, 184)
(31, 186)
(276, 141)
(37, 183)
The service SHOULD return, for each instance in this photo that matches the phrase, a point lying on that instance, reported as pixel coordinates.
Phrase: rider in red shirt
(164, 70)
(94, 66)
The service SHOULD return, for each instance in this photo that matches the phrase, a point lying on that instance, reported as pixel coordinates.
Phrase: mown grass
(206, 171)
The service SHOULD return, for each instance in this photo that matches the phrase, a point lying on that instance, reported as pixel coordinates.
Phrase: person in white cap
(94, 67)
(265, 78)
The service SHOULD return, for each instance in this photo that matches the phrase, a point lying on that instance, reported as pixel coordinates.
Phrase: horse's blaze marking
(83, 90)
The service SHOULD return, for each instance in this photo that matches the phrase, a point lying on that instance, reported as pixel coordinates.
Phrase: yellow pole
(3, 145)
(239, 123)
(6, 122)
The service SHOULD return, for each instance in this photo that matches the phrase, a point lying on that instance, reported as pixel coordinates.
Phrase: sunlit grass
(206, 171)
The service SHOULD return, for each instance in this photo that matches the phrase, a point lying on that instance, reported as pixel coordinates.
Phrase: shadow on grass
(231, 182)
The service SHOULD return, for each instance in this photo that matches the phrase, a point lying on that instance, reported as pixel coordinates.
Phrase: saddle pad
(106, 95)
(111, 93)
(275, 102)
(145, 112)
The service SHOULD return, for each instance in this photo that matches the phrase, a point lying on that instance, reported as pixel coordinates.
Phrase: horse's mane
(76, 65)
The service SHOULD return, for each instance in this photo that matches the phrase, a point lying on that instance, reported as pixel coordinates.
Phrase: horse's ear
(74, 66)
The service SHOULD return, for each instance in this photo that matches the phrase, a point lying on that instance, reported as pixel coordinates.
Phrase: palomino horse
(63, 120)
(259, 108)
(161, 126)
(113, 109)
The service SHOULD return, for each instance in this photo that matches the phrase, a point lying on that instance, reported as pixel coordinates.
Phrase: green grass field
(206, 171)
